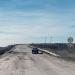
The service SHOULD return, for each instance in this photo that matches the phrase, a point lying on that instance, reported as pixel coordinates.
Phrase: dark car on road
(36, 51)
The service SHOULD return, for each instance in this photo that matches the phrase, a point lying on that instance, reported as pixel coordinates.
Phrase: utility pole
(51, 39)
(45, 39)
(45, 42)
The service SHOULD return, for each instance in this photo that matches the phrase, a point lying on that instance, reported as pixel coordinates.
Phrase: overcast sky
(27, 21)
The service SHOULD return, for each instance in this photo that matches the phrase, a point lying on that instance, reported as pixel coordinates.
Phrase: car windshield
(35, 49)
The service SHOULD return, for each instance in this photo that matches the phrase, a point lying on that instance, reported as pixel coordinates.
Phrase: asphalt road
(23, 62)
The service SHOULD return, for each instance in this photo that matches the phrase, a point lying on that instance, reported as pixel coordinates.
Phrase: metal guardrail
(48, 52)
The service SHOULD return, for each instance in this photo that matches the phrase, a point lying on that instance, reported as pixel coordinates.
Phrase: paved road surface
(23, 62)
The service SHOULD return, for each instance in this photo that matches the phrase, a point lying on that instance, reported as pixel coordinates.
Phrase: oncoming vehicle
(40, 52)
(36, 51)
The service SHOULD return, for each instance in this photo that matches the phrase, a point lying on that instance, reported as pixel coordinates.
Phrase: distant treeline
(5, 49)
(57, 46)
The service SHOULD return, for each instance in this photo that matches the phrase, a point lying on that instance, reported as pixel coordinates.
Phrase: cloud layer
(27, 21)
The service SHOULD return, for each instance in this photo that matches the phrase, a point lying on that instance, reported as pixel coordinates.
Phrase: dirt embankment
(5, 49)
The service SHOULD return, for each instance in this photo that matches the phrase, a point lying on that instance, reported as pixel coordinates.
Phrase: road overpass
(22, 62)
